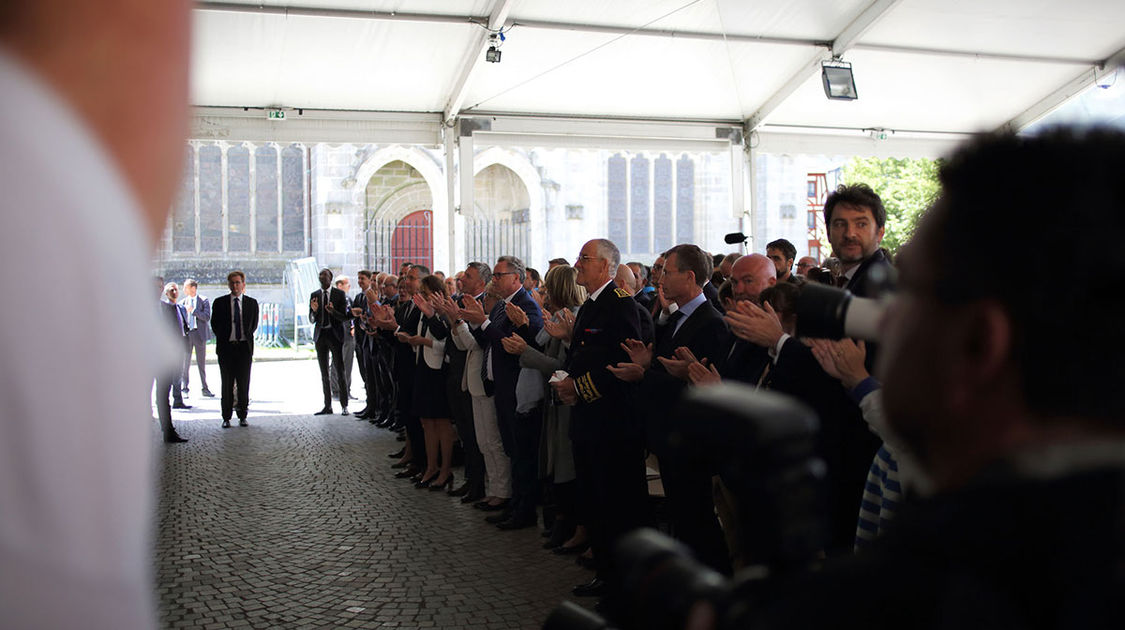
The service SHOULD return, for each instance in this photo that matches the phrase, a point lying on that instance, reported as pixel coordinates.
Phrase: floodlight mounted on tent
(495, 41)
(839, 84)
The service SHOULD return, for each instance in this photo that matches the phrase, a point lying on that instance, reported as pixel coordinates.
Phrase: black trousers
(164, 385)
(234, 370)
(413, 424)
(461, 407)
(327, 344)
(526, 428)
(612, 493)
(691, 507)
(361, 354)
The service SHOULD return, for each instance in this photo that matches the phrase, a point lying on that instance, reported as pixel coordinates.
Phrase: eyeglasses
(505, 273)
(805, 265)
(582, 257)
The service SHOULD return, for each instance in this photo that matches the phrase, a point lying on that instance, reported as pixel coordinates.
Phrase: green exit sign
(275, 114)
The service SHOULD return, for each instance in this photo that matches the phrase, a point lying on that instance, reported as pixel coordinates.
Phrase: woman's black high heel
(447, 485)
(425, 483)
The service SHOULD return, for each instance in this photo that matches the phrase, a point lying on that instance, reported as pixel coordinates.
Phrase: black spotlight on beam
(839, 84)
(495, 41)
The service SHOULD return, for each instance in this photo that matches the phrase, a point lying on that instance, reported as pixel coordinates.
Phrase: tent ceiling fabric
(578, 58)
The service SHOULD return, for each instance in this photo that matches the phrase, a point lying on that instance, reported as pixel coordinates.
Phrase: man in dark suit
(362, 350)
(199, 331)
(234, 318)
(167, 382)
(519, 432)
(605, 429)
(328, 310)
(626, 281)
(698, 327)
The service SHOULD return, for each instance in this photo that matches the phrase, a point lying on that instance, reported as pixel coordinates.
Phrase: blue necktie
(237, 320)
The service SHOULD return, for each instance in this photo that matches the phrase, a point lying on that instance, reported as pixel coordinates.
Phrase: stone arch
(434, 176)
(519, 163)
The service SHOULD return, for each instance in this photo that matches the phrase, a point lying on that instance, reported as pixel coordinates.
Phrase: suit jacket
(360, 302)
(339, 301)
(712, 293)
(175, 316)
(221, 319)
(464, 340)
(604, 409)
(873, 275)
(506, 367)
(648, 326)
(202, 315)
(704, 333)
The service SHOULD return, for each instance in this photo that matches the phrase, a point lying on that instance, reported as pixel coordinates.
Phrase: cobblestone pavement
(297, 522)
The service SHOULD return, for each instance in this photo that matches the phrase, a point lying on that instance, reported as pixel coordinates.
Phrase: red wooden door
(413, 240)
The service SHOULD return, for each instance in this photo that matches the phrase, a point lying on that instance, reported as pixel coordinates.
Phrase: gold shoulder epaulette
(586, 388)
(622, 293)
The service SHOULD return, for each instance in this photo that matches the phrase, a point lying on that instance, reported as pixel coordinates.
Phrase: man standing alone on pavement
(234, 318)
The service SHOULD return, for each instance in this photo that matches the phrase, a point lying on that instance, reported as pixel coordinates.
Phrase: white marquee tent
(697, 73)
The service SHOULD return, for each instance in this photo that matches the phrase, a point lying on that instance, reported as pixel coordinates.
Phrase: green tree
(907, 187)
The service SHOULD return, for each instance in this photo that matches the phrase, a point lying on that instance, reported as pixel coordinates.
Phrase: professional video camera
(763, 445)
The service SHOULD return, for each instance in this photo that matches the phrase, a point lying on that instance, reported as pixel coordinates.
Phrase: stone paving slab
(297, 522)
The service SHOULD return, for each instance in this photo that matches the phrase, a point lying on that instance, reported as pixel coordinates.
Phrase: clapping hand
(383, 316)
(516, 314)
(447, 307)
(628, 372)
(514, 344)
(563, 328)
(638, 352)
(842, 360)
(701, 375)
(315, 304)
(423, 305)
(755, 324)
(678, 365)
(473, 312)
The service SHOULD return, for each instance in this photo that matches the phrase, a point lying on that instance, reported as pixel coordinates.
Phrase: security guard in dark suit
(605, 428)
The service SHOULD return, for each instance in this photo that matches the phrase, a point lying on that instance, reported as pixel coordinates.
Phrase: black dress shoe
(181, 405)
(460, 491)
(563, 550)
(488, 507)
(327, 411)
(472, 497)
(499, 517)
(593, 588)
(398, 454)
(407, 472)
(517, 522)
(362, 412)
(207, 394)
(242, 422)
(174, 439)
(226, 424)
